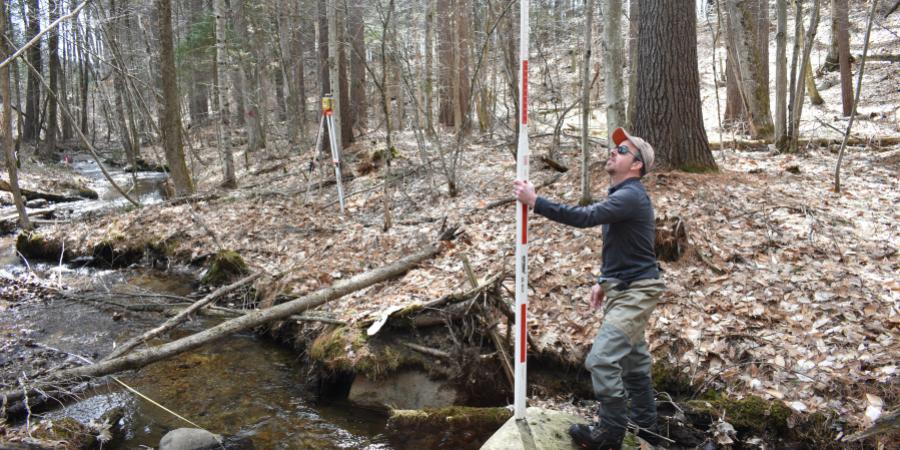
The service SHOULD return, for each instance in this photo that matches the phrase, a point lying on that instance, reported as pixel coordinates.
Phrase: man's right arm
(614, 209)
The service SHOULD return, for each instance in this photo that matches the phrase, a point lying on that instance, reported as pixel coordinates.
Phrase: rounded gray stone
(189, 439)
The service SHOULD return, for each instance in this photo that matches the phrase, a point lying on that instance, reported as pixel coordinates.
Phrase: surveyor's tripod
(327, 124)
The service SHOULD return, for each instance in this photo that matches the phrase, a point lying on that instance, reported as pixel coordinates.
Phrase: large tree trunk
(171, 107)
(49, 145)
(358, 102)
(229, 180)
(634, 23)
(745, 19)
(613, 64)
(669, 113)
(586, 146)
(781, 71)
(33, 94)
(6, 138)
(840, 10)
(344, 125)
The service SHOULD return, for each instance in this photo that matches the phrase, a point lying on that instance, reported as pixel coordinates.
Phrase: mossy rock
(346, 349)
(87, 192)
(750, 414)
(73, 433)
(108, 253)
(225, 266)
(670, 379)
(450, 427)
(34, 245)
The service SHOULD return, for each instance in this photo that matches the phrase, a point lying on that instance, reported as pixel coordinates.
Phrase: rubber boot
(609, 432)
(643, 407)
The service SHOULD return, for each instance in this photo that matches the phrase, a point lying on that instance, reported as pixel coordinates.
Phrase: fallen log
(253, 319)
(10, 222)
(49, 196)
(180, 317)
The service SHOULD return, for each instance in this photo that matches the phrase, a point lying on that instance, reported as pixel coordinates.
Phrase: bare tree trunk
(613, 64)
(344, 125)
(83, 74)
(171, 110)
(669, 113)
(634, 23)
(300, 40)
(68, 57)
(334, 68)
(229, 180)
(358, 102)
(586, 104)
(862, 69)
(6, 127)
(751, 67)
(781, 71)
(386, 109)
(446, 56)
(285, 24)
(463, 51)
(53, 69)
(834, 43)
(250, 73)
(840, 10)
(33, 95)
(112, 33)
(804, 67)
(198, 103)
(429, 65)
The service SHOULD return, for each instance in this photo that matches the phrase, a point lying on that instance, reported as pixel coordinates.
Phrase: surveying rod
(522, 225)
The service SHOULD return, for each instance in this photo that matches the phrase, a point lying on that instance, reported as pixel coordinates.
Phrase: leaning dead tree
(141, 358)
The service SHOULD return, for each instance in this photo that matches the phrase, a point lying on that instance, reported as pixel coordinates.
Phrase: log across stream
(242, 385)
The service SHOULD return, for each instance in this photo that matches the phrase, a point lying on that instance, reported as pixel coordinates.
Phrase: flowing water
(241, 385)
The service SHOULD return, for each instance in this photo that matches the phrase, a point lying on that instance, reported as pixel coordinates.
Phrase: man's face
(619, 163)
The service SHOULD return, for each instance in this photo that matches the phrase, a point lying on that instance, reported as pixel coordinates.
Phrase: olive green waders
(619, 361)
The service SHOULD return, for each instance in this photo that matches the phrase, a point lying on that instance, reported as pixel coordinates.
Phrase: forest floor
(788, 290)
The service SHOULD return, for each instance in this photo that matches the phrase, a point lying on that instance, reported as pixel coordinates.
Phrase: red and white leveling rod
(522, 225)
(328, 110)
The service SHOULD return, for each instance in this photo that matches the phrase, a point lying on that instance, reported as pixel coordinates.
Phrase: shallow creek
(241, 386)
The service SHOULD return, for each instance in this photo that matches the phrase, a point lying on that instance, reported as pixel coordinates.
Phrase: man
(619, 361)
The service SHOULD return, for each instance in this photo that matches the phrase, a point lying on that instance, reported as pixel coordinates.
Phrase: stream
(242, 386)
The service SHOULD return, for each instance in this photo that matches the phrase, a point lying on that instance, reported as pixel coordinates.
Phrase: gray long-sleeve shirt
(629, 229)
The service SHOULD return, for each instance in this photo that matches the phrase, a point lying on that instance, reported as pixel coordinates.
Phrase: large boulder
(542, 429)
(408, 389)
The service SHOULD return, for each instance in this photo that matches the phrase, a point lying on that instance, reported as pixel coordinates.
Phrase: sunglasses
(624, 150)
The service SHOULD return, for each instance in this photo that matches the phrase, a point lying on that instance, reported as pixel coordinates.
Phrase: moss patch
(108, 253)
(451, 427)
(226, 265)
(668, 378)
(346, 349)
(34, 245)
(751, 414)
(73, 433)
